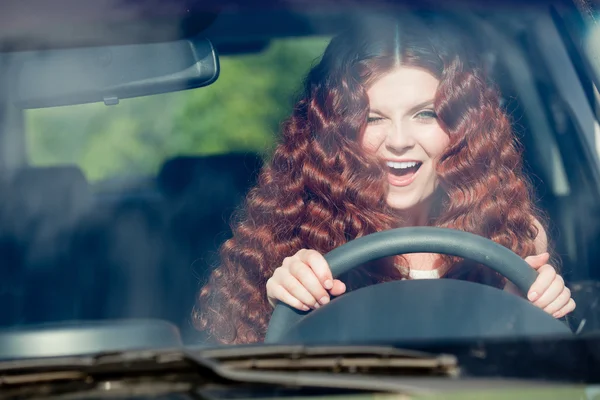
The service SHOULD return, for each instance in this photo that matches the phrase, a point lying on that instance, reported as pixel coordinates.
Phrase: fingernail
(533, 296)
(317, 305)
(556, 314)
(328, 284)
(305, 308)
(324, 300)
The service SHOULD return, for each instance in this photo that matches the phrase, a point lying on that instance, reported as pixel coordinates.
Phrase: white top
(423, 274)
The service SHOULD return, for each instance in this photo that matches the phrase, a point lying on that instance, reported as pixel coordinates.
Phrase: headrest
(50, 188)
(60, 192)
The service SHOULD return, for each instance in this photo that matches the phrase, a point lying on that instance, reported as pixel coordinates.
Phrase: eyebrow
(412, 110)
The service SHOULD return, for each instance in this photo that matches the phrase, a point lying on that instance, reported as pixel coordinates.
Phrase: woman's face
(403, 130)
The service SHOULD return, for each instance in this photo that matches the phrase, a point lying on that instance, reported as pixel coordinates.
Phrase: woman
(397, 127)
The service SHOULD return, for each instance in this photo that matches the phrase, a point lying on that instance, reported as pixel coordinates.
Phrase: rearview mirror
(62, 77)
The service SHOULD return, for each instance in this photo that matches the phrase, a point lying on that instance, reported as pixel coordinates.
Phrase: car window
(240, 113)
(580, 29)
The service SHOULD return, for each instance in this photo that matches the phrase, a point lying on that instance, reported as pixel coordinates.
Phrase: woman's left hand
(549, 292)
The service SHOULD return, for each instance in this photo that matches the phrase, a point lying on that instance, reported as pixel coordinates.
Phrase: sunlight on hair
(398, 44)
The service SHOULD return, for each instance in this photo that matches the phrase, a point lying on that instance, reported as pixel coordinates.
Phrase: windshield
(355, 174)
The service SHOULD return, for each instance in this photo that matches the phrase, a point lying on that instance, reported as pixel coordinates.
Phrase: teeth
(401, 165)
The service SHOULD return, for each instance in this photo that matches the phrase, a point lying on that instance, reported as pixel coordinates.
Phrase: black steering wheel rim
(412, 240)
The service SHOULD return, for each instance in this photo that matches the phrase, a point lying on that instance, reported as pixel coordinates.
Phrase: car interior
(76, 251)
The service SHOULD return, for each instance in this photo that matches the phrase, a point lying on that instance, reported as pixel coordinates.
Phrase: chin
(416, 202)
(401, 204)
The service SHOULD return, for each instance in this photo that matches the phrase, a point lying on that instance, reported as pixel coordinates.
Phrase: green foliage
(240, 112)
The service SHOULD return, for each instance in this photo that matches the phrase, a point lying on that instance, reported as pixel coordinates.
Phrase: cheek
(435, 142)
(372, 139)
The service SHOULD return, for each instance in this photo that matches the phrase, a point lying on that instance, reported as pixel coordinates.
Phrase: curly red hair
(320, 189)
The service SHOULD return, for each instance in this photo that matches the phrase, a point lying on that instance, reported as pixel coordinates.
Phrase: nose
(399, 138)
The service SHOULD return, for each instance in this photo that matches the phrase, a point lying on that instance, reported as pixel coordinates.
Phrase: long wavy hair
(320, 189)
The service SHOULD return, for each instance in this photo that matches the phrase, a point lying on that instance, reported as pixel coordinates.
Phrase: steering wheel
(436, 309)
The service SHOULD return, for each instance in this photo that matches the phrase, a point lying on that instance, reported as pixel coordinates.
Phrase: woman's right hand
(303, 281)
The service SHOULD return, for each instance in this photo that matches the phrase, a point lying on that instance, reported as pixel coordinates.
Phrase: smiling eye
(374, 120)
(426, 115)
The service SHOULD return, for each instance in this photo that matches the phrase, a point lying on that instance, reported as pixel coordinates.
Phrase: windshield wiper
(344, 367)
(348, 367)
(358, 368)
(368, 360)
(236, 372)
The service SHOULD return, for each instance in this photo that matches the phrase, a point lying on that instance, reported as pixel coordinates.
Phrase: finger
(545, 277)
(561, 301)
(319, 265)
(297, 289)
(566, 309)
(556, 288)
(338, 288)
(306, 276)
(281, 294)
(538, 260)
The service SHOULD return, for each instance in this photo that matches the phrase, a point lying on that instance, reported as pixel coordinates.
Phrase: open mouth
(404, 168)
